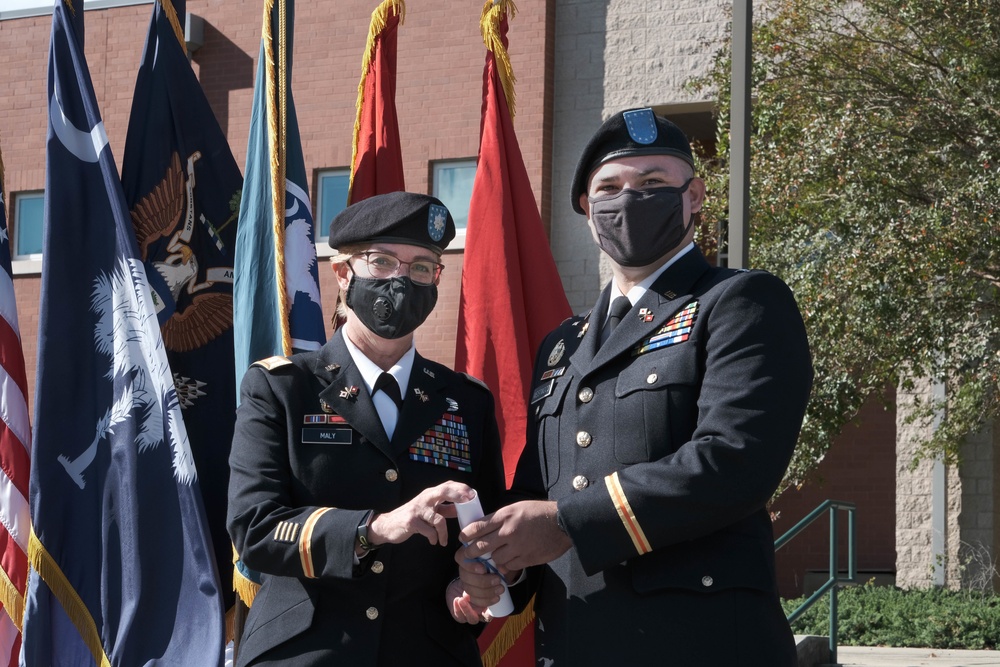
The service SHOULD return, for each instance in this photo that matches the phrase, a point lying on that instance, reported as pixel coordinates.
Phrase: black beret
(396, 217)
(628, 133)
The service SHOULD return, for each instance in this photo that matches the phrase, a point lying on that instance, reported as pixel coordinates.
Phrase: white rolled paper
(468, 512)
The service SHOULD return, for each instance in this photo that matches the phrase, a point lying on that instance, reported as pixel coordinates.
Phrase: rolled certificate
(468, 512)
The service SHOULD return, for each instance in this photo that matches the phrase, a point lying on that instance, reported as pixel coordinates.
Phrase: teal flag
(271, 242)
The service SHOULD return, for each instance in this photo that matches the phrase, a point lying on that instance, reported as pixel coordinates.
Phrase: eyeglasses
(382, 265)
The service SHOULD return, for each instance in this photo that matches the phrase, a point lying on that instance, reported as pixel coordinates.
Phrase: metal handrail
(834, 580)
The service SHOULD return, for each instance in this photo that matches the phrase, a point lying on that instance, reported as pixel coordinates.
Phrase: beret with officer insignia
(626, 134)
(396, 217)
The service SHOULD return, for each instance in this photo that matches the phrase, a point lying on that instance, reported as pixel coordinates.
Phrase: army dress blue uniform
(310, 457)
(662, 447)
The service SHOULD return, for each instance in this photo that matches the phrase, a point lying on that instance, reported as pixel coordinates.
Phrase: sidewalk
(865, 656)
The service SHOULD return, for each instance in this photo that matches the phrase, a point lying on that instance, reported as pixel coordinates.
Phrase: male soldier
(661, 423)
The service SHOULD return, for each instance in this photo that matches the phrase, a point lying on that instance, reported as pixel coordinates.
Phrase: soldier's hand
(518, 535)
(424, 515)
(463, 609)
(482, 586)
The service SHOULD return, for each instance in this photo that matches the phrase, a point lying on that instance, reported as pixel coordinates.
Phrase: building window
(27, 238)
(332, 187)
(452, 184)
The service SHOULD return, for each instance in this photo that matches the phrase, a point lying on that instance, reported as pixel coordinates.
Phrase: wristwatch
(363, 527)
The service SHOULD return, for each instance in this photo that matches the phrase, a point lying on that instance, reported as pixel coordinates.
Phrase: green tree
(875, 185)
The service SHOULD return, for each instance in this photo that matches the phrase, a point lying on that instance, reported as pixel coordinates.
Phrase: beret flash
(396, 217)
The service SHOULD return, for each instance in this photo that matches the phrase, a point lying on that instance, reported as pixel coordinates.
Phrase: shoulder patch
(272, 362)
(474, 380)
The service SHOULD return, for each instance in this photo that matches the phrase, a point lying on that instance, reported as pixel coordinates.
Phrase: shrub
(887, 616)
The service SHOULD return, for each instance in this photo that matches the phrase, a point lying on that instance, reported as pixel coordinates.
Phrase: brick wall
(859, 468)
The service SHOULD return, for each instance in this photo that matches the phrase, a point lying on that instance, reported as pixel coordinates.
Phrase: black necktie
(387, 384)
(619, 308)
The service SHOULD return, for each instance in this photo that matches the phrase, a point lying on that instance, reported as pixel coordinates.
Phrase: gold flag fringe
(379, 19)
(494, 12)
(69, 5)
(245, 589)
(512, 629)
(277, 89)
(13, 601)
(168, 9)
(50, 572)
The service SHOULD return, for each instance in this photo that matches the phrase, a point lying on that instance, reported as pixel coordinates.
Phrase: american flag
(15, 443)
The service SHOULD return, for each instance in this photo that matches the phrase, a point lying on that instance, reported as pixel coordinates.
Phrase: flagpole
(738, 247)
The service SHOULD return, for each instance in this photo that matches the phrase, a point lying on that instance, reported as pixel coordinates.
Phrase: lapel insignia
(676, 330)
(349, 392)
(646, 315)
(445, 444)
(583, 329)
(557, 352)
(331, 367)
(452, 404)
(421, 395)
(429, 372)
(553, 373)
(325, 406)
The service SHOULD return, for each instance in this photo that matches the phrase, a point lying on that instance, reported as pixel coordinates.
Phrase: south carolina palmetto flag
(377, 160)
(15, 460)
(512, 295)
(121, 560)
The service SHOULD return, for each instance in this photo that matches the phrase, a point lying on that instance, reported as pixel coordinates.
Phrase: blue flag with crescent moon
(121, 562)
(182, 186)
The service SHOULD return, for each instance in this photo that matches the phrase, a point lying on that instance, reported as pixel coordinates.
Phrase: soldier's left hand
(518, 535)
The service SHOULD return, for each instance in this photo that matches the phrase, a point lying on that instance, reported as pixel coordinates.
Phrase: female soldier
(342, 455)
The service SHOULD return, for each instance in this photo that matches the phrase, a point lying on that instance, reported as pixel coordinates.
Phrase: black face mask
(390, 307)
(637, 227)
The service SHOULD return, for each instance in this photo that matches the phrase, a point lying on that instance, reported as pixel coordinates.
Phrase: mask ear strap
(350, 290)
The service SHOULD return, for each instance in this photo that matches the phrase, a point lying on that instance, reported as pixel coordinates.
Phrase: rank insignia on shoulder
(452, 404)
(553, 373)
(557, 353)
(676, 330)
(272, 362)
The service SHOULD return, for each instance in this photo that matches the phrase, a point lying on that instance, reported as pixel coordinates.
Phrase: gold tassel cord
(380, 17)
(513, 626)
(244, 587)
(276, 149)
(175, 23)
(53, 576)
(489, 25)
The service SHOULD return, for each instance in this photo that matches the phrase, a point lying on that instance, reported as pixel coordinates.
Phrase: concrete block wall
(613, 55)
(979, 522)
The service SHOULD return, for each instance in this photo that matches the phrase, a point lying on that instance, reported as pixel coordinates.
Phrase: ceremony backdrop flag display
(182, 187)
(121, 561)
(377, 159)
(276, 303)
(15, 461)
(512, 294)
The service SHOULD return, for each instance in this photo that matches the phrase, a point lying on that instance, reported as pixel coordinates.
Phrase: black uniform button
(586, 395)
(371, 613)
(651, 379)
(391, 475)
(583, 439)
(707, 581)
(580, 482)
(377, 567)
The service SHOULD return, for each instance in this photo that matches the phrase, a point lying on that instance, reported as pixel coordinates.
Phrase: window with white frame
(451, 182)
(332, 186)
(26, 241)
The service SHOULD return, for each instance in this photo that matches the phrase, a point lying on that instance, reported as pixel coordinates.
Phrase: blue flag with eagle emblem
(182, 186)
(276, 302)
(121, 563)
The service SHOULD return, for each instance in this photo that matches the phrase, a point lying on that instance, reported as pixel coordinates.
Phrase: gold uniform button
(371, 613)
(377, 567)
(651, 379)
(707, 581)
(583, 439)
(580, 482)
(391, 475)
(586, 395)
